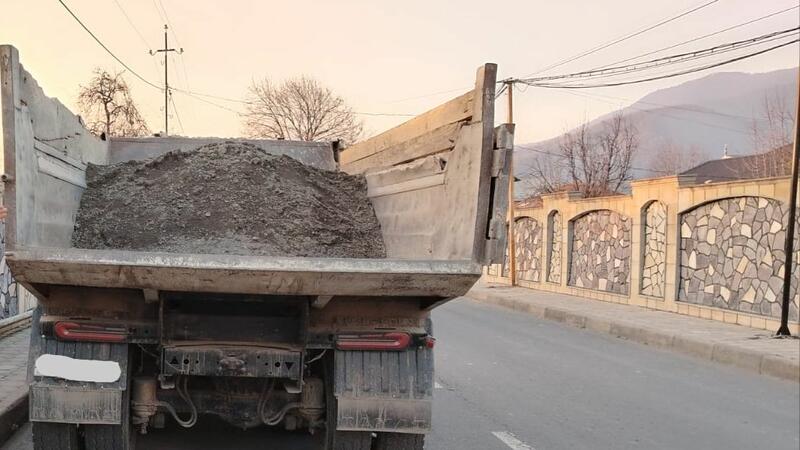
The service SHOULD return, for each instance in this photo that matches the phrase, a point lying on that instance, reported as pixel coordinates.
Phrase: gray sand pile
(227, 198)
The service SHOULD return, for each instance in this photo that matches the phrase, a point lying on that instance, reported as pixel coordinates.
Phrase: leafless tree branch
(301, 109)
(106, 106)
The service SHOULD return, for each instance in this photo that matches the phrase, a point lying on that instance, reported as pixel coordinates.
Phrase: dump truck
(339, 351)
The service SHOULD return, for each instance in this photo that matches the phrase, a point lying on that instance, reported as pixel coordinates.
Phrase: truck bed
(241, 274)
(438, 185)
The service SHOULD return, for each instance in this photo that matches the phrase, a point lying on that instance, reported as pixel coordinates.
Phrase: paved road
(509, 381)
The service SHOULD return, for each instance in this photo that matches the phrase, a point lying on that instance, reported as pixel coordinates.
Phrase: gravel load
(229, 198)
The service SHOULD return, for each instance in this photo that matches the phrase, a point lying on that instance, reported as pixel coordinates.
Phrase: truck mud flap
(384, 391)
(64, 401)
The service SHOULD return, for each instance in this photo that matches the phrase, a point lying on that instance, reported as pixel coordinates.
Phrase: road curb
(716, 352)
(16, 323)
(13, 417)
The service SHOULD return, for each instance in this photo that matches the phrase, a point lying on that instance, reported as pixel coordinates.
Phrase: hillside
(704, 115)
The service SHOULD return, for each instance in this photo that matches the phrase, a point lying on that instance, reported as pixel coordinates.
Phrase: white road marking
(436, 385)
(511, 441)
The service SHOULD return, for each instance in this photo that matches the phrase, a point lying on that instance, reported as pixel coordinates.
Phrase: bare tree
(301, 109)
(106, 106)
(594, 163)
(672, 158)
(772, 136)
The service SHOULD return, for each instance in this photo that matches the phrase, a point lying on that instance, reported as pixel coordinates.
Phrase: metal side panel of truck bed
(241, 274)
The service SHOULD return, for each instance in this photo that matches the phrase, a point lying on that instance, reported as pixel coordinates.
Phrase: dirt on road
(229, 198)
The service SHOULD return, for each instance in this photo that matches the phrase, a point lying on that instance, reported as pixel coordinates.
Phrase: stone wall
(659, 271)
(9, 302)
(554, 249)
(654, 244)
(528, 248)
(732, 255)
(600, 254)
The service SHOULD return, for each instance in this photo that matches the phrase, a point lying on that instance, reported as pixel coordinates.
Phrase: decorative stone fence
(13, 298)
(714, 251)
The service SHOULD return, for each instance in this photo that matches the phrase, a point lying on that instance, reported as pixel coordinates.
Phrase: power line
(384, 114)
(624, 38)
(128, 68)
(432, 94)
(661, 105)
(127, 17)
(669, 60)
(192, 94)
(758, 19)
(671, 75)
(177, 116)
(556, 155)
(171, 28)
(660, 113)
(641, 169)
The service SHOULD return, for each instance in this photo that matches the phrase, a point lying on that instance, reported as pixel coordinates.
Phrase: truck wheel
(400, 441)
(55, 436)
(108, 437)
(352, 440)
(114, 437)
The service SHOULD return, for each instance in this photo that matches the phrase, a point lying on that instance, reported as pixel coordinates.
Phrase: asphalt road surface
(510, 381)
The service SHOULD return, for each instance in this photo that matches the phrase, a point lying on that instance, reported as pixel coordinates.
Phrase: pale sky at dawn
(377, 54)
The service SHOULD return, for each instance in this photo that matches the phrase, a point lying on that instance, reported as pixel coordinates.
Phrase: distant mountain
(704, 115)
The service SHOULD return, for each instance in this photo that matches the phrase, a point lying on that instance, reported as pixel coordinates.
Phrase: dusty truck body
(124, 341)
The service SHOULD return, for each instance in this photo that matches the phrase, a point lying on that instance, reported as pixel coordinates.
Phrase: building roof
(774, 163)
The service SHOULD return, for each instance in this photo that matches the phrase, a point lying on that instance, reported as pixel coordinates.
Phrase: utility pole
(789, 246)
(512, 251)
(166, 51)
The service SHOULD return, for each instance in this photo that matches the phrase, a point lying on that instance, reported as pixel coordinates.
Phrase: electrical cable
(624, 38)
(321, 354)
(177, 116)
(662, 172)
(136, 74)
(670, 60)
(698, 38)
(671, 75)
(656, 112)
(185, 396)
(276, 419)
(130, 22)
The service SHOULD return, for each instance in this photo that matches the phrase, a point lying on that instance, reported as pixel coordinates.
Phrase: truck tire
(400, 441)
(55, 436)
(114, 437)
(108, 437)
(352, 440)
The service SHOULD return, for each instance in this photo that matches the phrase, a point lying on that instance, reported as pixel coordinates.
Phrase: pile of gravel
(227, 198)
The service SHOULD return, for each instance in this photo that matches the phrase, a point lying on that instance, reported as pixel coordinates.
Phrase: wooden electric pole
(783, 330)
(512, 251)
(166, 51)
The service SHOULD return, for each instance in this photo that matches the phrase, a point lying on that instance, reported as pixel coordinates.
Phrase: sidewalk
(724, 343)
(13, 386)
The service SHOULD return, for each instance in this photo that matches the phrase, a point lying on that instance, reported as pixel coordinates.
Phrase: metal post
(783, 330)
(165, 51)
(512, 251)
(166, 85)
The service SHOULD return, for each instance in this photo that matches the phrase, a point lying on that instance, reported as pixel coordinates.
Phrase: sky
(383, 57)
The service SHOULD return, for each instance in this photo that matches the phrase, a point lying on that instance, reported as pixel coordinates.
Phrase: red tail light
(75, 331)
(379, 342)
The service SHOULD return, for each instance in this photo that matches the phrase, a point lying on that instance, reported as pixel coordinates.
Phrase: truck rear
(124, 342)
